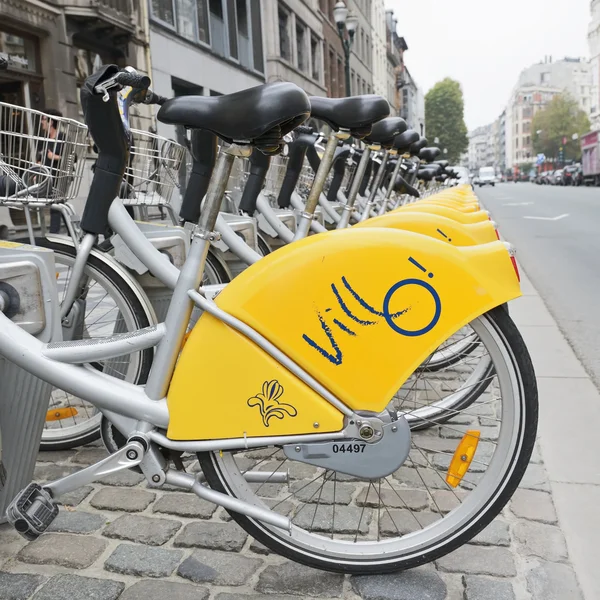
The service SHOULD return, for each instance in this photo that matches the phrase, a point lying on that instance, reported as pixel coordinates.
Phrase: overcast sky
(485, 45)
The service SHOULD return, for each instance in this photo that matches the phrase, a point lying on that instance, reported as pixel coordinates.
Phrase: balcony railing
(119, 13)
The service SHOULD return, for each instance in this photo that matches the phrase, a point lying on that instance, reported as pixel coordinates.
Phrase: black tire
(215, 264)
(139, 313)
(527, 428)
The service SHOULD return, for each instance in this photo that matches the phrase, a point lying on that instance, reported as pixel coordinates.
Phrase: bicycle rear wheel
(108, 303)
(364, 526)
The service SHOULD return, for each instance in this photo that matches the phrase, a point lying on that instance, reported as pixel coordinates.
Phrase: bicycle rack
(28, 296)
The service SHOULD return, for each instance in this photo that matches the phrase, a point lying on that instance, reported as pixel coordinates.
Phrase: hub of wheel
(356, 457)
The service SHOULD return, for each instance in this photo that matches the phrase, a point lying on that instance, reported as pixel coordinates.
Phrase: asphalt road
(561, 256)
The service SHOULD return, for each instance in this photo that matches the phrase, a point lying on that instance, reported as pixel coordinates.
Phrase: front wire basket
(41, 156)
(153, 170)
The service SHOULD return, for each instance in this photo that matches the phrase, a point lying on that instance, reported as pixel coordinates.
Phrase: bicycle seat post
(388, 191)
(319, 183)
(356, 183)
(375, 187)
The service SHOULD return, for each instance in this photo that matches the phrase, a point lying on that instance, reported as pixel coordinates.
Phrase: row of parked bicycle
(336, 356)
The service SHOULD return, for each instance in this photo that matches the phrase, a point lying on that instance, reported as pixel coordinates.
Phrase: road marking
(549, 218)
(518, 204)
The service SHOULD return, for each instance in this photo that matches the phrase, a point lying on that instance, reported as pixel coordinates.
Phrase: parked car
(556, 177)
(543, 177)
(573, 175)
(487, 176)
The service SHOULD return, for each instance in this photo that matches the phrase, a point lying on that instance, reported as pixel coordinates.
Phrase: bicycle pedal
(32, 511)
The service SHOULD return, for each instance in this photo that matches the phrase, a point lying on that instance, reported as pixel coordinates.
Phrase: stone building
(52, 46)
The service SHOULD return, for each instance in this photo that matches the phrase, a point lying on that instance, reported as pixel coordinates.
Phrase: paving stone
(143, 561)
(553, 581)
(263, 453)
(394, 521)
(75, 497)
(259, 548)
(127, 478)
(296, 470)
(145, 530)
(125, 500)
(219, 568)
(534, 506)
(396, 498)
(227, 596)
(161, 590)
(51, 472)
(342, 519)
(76, 521)
(435, 444)
(417, 584)
(184, 505)
(90, 456)
(66, 550)
(293, 578)
(535, 478)
(447, 500)
(539, 539)
(218, 536)
(495, 534)
(479, 561)
(75, 587)
(414, 478)
(267, 490)
(54, 456)
(18, 586)
(486, 588)
(316, 492)
(536, 455)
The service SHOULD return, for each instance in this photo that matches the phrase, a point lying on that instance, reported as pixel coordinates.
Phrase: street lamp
(349, 22)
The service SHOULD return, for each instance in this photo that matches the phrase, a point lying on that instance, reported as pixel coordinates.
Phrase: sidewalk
(121, 540)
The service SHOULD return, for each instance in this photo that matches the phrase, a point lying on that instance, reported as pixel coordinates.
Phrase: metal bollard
(29, 298)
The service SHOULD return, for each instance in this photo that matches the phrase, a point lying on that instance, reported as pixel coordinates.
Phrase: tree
(526, 167)
(445, 118)
(560, 118)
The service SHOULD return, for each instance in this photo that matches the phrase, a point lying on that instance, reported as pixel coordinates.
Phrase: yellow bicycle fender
(462, 207)
(436, 226)
(445, 211)
(359, 309)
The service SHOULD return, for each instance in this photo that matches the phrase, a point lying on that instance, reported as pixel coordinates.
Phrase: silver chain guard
(356, 457)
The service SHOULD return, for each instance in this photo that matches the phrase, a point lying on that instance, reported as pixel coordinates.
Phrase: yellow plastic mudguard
(436, 226)
(445, 211)
(358, 309)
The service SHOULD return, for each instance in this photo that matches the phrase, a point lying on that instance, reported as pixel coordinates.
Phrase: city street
(556, 232)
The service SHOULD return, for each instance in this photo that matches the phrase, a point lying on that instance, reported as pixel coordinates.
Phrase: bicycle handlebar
(134, 80)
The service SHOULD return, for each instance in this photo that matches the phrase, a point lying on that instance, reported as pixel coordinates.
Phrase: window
(545, 77)
(341, 78)
(257, 48)
(315, 57)
(353, 82)
(164, 10)
(186, 19)
(333, 84)
(517, 128)
(243, 33)
(301, 46)
(203, 29)
(361, 47)
(232, 28)
(285, 43)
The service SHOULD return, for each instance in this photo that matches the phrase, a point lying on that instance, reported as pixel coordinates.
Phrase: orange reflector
(57, 414)
(463, 455)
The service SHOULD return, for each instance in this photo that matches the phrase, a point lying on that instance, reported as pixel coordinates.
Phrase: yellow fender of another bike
(359, 309)
(463, 207)
(436, 226)
(445, 211)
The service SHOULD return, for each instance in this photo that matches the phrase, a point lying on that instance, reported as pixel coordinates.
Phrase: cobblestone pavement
(118, 538)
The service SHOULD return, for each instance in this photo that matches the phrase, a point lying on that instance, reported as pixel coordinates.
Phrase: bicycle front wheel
(107, 303)
(366, 526)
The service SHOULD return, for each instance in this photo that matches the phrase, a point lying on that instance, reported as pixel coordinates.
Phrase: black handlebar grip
(152, 98)
(134, 80)
(259, 165)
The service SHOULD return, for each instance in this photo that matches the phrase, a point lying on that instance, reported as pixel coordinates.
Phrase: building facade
(481, 148)
(413, 103)
(333, 53)
(52, 47)
(594, 51)
(379, 47)
(395, 48)
(293, 32)
(361, 57)
(525, 101)
(205, 48)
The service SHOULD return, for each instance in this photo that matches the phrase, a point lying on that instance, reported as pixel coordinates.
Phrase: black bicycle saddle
(260, 116)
